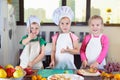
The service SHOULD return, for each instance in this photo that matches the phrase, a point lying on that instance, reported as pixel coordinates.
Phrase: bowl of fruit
(9, 72)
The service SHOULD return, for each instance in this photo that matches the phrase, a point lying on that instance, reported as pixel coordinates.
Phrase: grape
(112, 67)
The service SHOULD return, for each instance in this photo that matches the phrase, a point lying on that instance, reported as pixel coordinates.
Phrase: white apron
(64, 60)
(93, 50)
(30, 52)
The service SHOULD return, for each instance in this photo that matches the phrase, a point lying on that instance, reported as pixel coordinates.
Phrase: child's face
(96, 26)
(65, 24)
(35, 28)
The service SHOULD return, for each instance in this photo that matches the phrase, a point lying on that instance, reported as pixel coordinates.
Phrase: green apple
(18, 74)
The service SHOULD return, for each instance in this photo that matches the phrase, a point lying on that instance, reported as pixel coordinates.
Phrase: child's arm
(52, 64)
(39, 57)
(83, 48)
(27, 40)
(104, 51)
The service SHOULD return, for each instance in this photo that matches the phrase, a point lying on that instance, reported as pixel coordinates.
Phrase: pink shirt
(103, 53)
(73, 36)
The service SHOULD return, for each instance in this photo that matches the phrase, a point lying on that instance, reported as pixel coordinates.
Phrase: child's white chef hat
(32, 19)
(63, 11)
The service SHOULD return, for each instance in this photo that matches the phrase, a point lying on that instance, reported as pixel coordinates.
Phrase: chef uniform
(30, 52)
(32, 49)
(93, 50)
(64, 60)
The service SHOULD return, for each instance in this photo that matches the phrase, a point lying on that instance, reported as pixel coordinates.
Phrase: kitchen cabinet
(8, 43)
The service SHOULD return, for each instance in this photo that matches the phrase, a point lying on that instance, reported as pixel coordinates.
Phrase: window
(41, 8)
(110, 10)
(83, 9)
(79, 9)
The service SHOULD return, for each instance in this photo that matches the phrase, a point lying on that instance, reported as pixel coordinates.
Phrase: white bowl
(21, 78)
(12, 78)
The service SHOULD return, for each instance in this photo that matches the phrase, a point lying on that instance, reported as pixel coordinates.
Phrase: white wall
(112, 32)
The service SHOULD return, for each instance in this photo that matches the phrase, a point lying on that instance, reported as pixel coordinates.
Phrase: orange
(117, 76)
(34, 77)
(43, 79)
(39, 77)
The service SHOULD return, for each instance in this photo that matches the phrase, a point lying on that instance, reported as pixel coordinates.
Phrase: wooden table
(28, 77)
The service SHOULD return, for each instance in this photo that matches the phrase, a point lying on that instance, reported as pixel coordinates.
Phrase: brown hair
(95, 17)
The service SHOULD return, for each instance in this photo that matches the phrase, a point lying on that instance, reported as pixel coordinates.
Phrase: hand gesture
(65, 50)
(94, 65)
(84, 64)
(31, 35)
(30, 64)
(52, 64)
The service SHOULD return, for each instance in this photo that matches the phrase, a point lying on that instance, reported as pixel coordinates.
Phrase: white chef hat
(63, 11)
(32, 19)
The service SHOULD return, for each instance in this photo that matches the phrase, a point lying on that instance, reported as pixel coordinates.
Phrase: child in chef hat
(95, 46)
(64, 43)
(34, 46)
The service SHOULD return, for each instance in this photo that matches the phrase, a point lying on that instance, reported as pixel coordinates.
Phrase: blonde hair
(95, 17)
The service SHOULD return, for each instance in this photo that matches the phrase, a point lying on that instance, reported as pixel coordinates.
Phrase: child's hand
(94, 65)
(84, 64)
(52, 64)
(65, 50)
(30, 64)
(62, 50)
(31, 35)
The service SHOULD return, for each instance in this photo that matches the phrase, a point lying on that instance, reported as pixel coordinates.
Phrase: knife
(87, 67)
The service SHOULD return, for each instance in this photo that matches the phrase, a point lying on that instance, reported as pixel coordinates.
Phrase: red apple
(10, 72)
(1, 67)
(29, 71)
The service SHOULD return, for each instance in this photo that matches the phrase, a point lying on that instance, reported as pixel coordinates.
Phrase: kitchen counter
(85, 77)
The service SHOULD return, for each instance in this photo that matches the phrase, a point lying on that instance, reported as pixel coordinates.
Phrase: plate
(85, 72)
(65, 77)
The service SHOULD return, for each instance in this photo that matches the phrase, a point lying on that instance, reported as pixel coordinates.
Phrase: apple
(29, 71)
(9, 66)
(18, 68)
(10, 72)
(18, 74)
(1, 67)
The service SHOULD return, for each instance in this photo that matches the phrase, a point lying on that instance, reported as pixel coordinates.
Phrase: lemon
(3, 73)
